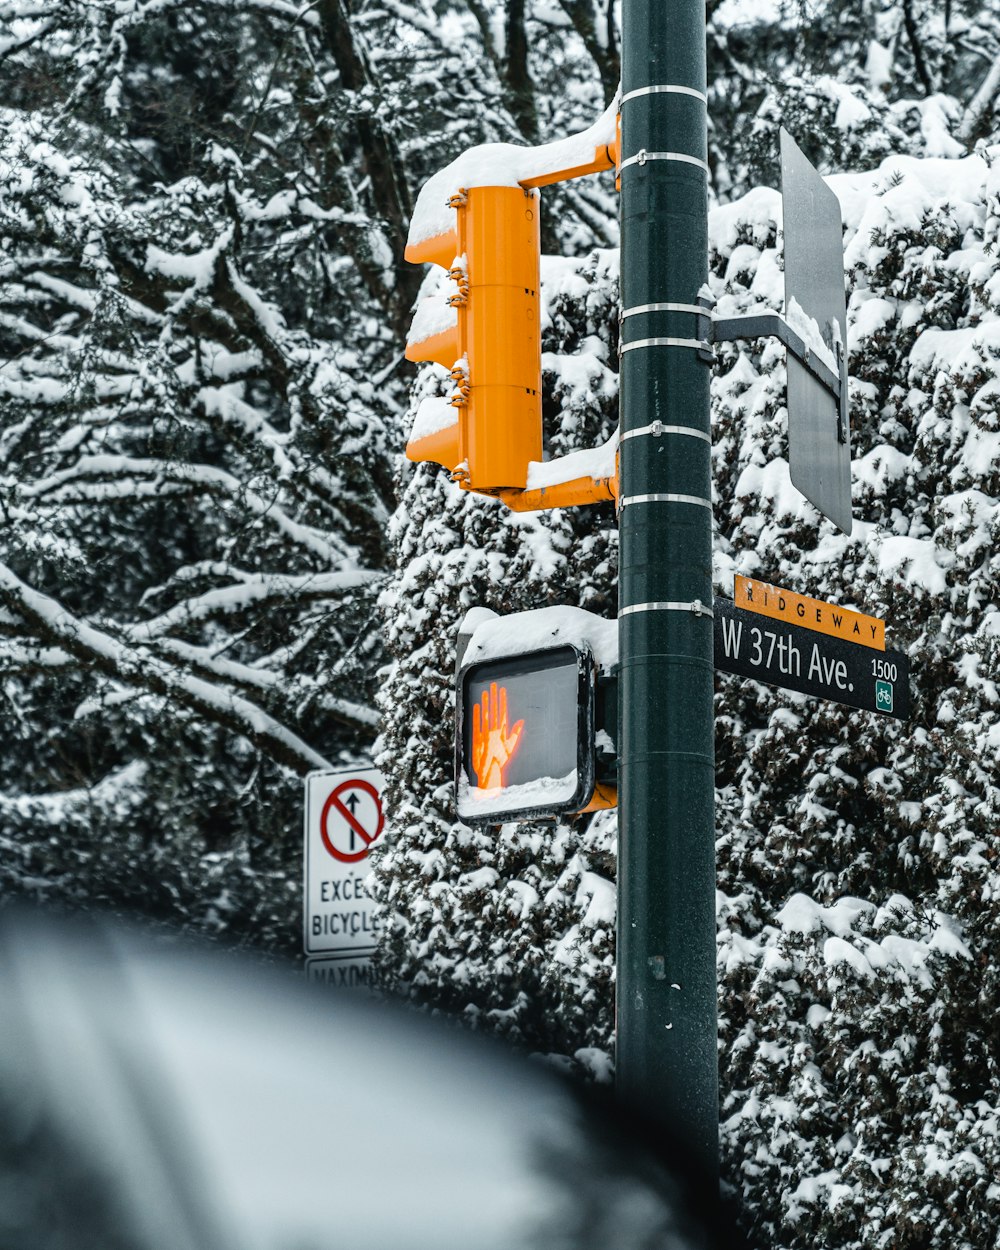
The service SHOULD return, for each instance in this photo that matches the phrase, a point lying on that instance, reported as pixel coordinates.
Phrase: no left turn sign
(351, 820)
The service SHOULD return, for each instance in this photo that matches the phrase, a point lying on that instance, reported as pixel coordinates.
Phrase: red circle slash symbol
(349, 828)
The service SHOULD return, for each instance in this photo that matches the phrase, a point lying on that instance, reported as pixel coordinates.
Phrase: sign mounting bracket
(772, 325)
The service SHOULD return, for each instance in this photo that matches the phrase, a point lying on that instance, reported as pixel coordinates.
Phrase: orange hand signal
(492, 747)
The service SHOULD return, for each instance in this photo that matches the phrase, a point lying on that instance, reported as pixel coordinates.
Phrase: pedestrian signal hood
(526, 727)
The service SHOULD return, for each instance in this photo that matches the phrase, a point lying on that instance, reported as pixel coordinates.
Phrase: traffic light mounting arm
(606, 156)
(572, 494)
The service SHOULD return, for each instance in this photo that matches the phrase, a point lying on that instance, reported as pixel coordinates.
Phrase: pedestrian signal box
(525, 735)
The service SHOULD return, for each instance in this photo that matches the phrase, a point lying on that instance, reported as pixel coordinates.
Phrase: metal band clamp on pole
(664, 341)
(663, 306)
(695, 606)
(665, 89)
(663, 497)
(656, 428)
(642, 156)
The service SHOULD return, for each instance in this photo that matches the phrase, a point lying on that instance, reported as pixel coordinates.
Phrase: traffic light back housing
(494, 348)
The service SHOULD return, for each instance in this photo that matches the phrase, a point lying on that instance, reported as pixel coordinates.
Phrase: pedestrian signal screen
(522, 723)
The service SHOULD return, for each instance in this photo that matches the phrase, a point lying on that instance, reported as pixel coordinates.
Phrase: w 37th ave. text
(818, 664)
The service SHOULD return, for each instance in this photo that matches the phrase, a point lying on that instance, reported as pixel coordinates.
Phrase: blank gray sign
(819, 455)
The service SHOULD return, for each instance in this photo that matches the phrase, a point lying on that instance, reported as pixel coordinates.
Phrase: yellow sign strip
(825, 618)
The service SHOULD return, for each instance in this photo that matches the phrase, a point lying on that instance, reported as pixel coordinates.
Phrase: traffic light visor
(524, 735)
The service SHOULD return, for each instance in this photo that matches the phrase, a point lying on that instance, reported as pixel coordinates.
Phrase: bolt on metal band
(698, 344)
(694, 606)
(628, 500)
(642, 156)
(665, 90)
(656, 428)
(637, 309)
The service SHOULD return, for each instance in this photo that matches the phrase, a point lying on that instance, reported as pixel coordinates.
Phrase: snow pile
(810, 332)
(524, 797)
(433, 314)
(541, 629)
(868, 956)
(434, 413)
(596, 462)
(502, 165)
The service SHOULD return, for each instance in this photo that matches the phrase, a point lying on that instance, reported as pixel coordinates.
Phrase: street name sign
(817, 614)
(343, 821)
(781, 654)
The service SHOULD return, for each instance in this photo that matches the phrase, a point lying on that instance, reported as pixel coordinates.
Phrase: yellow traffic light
(484, 329)
(493, 347)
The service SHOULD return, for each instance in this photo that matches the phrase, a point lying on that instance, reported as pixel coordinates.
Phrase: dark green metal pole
(666, 993)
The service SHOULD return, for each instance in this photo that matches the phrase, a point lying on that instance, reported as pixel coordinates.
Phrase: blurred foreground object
(154, 1096)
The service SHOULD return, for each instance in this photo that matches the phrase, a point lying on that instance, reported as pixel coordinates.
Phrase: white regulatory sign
(344, 820)
(346, 973)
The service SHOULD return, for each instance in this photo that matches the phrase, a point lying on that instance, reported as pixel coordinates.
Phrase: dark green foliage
(858, 855)
(207, 525)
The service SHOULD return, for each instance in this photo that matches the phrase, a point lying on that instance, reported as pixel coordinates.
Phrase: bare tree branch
(980, 107)
(918, 53)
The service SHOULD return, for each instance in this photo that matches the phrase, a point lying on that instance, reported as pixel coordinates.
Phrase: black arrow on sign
(352, 802)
